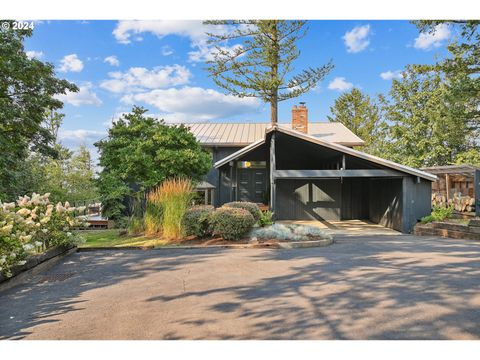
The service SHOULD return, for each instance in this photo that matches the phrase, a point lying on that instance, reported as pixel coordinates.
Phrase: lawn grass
(112, 238)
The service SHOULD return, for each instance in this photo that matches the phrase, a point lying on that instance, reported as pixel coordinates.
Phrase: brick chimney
(300, 118)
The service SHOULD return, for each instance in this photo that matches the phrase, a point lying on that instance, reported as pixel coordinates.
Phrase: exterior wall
(355, 198)
(308, 199)
(416, 201)
(220, 179)
(385, 202)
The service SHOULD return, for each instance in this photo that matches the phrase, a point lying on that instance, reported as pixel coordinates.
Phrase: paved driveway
(384, 287)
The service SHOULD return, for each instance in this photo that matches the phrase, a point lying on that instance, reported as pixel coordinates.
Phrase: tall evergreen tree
(260, 66)
(427, 125)
(359, 113)
(27, 90)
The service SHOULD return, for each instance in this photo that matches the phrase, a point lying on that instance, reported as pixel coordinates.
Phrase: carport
(312, 179)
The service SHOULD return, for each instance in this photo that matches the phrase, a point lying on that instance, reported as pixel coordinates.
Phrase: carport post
(272, 170)
(476, 191)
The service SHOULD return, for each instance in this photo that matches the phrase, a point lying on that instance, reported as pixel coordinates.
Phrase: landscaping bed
(449, 229)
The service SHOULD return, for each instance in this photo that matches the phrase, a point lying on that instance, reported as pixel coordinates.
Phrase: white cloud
(194, 103)
(34, 54)
(139, 78)
(71, 63)
(428, 41)
(128, 30)
(340, 84)
(80, 134)
(166, 50)
(357, 39)
(112, 60)
(85, 96)
(389, 75)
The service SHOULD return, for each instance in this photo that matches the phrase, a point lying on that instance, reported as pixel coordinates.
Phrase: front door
(251, 185)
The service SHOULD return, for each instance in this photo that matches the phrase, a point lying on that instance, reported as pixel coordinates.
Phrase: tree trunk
(274, 73)
(274, 110)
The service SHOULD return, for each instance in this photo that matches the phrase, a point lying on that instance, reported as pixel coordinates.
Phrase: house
(310, 170)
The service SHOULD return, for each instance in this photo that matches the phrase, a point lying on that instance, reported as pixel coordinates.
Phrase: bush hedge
(197, 220)
(252, 208)
(231, 223)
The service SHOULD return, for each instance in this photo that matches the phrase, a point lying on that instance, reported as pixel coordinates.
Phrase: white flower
(23, 211)
(7, 229)
(23, 262)
(44, 231)
(45, 220)
(59, 207)
(28, 247)
(69, 234)
(3, 259)
(38, 243)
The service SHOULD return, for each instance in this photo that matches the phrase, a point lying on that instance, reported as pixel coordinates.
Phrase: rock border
(35, 265)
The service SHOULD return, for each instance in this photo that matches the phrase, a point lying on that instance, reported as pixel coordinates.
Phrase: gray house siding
(220, 179)
(385, 202)
(355, 198)
(308, 199)
(416, 201)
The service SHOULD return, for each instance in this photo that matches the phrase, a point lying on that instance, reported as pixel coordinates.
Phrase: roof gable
(334, 146)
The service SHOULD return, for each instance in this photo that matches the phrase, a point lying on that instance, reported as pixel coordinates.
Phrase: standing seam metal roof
(242, 134)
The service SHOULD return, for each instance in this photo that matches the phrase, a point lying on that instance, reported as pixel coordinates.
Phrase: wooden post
(476, 191)
(447, 186)
(231, 181)
(272, 170)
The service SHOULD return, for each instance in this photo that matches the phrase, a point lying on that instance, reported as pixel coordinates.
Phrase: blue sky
(160, 65)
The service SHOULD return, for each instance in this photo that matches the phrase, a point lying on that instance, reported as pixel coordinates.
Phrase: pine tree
(260, 66)
(359, 113)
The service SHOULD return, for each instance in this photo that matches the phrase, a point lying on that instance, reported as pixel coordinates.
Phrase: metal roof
(242, 134)
(334, 146)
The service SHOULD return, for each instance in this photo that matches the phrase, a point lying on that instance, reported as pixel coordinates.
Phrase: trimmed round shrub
(231, 223)
(196, 220)
(252, 208)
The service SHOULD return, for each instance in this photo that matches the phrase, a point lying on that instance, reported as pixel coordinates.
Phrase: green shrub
(266, 218)
(252, 208)
(231, 223)
(439, 213)
(196, 220)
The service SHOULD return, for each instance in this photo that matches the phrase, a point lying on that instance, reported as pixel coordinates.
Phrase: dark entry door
(251, 185)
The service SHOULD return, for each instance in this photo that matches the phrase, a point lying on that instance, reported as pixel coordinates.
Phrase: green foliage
(196, 221)
(261, 62)
(266, 218)
(470, 157)
(153, 218)
(252, 208)
(135, 226)
(231, 223)
(68, 177)
(426, 126)
(27, 95)
(173, 196)
(439, 213)
(140, 152)
(359, 113)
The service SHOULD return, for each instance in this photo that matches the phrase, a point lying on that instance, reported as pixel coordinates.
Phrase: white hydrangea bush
(31, 225)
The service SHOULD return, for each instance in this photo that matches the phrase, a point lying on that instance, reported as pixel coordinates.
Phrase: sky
(160, 65)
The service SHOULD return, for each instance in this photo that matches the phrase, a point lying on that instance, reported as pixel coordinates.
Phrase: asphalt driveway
(383, 287)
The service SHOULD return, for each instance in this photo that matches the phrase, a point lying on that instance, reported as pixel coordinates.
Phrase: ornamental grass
(173, 197)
